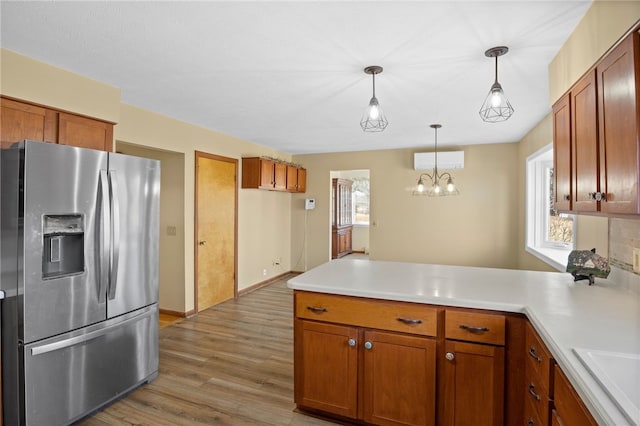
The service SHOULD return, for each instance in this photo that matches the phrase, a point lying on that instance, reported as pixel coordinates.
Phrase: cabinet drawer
(537, 399)
(532, 416)
(539, 363)
(405, 317)
(475, 327)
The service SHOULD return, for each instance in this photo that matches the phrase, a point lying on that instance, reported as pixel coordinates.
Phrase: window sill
(557, 258)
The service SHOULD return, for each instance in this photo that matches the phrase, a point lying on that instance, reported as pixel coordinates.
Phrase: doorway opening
(349, 212)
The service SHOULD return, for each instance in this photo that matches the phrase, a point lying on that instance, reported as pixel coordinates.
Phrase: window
(550, 234)
(360, 201)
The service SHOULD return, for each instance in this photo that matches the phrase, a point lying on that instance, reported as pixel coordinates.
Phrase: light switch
(171, 230)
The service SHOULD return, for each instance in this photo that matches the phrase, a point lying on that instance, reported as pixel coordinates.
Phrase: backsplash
(624, 235)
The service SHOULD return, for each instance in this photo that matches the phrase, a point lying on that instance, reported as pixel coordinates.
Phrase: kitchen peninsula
(432, 306)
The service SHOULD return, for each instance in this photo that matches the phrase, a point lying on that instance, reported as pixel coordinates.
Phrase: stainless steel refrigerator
(79, 269)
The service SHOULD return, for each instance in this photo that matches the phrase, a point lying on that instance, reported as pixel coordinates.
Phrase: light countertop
(566, 314)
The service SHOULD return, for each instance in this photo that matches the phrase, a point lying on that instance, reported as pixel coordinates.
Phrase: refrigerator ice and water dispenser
(63, 245)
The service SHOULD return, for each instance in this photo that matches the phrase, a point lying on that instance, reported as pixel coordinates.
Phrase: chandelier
(436, 184)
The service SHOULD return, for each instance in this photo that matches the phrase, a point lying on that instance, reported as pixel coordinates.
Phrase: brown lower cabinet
(376, 375)
(397, 363)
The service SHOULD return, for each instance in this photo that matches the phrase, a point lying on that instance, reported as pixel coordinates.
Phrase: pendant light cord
(496, 69)
(373, 75)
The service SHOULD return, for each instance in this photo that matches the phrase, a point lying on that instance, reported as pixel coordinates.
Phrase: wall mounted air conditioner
(447, 160)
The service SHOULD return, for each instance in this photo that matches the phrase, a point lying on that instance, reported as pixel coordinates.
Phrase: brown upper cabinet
(23, 120)
(596, 131)
(266, 173)
(618, 86)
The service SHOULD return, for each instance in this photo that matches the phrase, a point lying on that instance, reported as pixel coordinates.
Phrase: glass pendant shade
(429, 184)
(496, 106)
(373, 119)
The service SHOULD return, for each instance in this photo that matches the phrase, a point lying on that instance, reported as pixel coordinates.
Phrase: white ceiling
(289, 75)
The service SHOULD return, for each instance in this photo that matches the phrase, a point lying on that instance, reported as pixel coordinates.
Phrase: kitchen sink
(619, 375)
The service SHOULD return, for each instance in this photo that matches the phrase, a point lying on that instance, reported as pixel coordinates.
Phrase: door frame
(234, 161)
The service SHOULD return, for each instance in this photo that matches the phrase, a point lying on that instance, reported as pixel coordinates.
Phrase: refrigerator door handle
(115, 218)
(104, 238)
(73, 341)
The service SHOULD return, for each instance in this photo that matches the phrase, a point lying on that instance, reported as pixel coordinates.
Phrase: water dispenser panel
(63, 245)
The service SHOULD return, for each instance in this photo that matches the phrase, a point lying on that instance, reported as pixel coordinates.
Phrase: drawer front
(475, 327)
(537, 399)
(539, 363)
(532, 417)
(405, 317)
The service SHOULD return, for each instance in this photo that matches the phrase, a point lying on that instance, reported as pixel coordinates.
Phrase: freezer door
(61, 237)
(135, 189)
(69, 376)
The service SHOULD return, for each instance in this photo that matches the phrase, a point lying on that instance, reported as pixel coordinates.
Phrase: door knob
(202, 242)
(368, 345)
(450, 356)
(352, 342)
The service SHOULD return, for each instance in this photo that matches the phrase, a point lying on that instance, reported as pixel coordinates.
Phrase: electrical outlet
(636, 260)
(264, 272)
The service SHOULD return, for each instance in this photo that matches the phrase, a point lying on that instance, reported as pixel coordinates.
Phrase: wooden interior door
(216, 229)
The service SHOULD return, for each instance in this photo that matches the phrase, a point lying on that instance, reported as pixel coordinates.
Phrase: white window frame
(537, 212)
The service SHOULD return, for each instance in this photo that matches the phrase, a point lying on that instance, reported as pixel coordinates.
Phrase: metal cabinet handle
(532, 392)
(534, 355)
(202, 242)
(450, 356)
(598, 196)
(473, 329)
(352, 342)
(409, 320)
(530, 422)
(316, 310)
(567, 197)
(368, 345)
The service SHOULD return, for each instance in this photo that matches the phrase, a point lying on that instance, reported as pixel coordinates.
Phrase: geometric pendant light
(373, 119)
(496, 106)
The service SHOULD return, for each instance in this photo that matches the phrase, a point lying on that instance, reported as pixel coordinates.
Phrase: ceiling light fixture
(373, 120)
(496, 106)
(432, 187)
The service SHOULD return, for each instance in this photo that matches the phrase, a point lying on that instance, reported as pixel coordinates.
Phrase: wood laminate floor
(232, 364)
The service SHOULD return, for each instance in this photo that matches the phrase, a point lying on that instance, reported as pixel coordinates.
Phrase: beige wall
(264, 231)
(477, 228)
(603, 24)
(25, 78)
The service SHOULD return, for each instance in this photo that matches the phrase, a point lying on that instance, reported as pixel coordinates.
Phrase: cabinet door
(292, 179)
(280, 177)
(267, 169)
(472, 390)
(85, 132)
(326, 370)
(570, 409)
(584, 144)
(562, 153)
(302, 180)
(399, 379)
(19, 121)
(618, 132)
